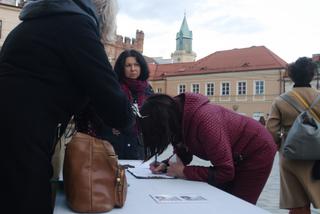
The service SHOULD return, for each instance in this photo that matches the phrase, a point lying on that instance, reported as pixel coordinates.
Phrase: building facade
(12, 2)
(245, 80)
(115, 48)
(9, 18)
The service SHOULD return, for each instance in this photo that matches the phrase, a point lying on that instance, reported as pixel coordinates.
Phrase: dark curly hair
(161, 124)
(120, 63)
(302, 70)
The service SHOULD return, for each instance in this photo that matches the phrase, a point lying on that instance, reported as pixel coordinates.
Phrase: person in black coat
(51, 66)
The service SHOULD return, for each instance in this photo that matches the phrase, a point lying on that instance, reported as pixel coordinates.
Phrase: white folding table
(139, 200)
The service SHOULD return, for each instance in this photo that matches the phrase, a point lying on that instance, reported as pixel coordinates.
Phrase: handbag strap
(296, 105)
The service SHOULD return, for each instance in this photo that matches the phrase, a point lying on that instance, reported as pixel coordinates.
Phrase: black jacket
(51, 65)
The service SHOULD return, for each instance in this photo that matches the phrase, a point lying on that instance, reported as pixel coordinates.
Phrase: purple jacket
(214, 133)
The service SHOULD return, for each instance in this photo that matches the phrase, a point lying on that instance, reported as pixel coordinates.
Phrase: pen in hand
(156, 163)
(158, 167)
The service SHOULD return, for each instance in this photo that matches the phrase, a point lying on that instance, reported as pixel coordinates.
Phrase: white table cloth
(139, 200)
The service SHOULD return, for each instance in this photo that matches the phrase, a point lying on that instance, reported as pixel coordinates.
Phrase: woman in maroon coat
(239, 148)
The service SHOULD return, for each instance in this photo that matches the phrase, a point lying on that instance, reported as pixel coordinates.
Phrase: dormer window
(246, 64)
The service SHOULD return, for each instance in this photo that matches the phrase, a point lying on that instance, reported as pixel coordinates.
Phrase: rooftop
(234, 60)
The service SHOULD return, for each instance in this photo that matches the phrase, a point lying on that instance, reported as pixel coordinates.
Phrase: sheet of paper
(143, 171)
(181, 198)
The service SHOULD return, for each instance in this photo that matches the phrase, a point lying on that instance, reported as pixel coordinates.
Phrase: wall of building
(182, 56)
(12, 2)
(114, 49)
(249, 104)
(9, 19)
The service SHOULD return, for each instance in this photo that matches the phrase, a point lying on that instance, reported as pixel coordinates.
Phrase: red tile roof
(235, 60)
(149, 60)
(158, 71)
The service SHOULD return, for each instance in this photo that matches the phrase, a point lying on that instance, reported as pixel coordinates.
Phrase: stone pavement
(269, 198)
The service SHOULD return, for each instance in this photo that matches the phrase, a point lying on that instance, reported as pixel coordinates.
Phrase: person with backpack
(299, 184)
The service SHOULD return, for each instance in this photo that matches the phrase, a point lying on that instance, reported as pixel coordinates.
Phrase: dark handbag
(93, 179)
(303, 139)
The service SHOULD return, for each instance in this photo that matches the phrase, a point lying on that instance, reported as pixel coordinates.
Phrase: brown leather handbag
(93, 179)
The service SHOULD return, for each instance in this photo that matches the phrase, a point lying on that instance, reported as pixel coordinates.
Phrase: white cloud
(287, 27)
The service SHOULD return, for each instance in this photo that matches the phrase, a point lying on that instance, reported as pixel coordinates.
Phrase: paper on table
(181, 198)
(143, 171)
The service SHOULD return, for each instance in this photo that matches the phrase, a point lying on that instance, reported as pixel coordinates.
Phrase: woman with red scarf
(133, 72)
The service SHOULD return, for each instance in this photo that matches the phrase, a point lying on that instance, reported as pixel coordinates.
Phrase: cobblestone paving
(269, 198)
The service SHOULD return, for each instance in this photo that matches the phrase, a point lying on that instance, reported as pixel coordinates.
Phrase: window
(259, 87)
(210, 89)
(159, 90)
(257, 115)
(225, 89)
(195, 88)
(242, 88)
(181, 88)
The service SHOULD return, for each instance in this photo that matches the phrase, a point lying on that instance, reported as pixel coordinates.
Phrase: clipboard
(141, 172)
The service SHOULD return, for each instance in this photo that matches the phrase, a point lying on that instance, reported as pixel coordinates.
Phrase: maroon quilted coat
(237, 146)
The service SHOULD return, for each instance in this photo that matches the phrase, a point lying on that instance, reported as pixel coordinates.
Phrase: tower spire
(184, 51)
(184, 29)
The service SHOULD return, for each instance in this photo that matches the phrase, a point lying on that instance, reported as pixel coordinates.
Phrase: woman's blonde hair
(107, 12)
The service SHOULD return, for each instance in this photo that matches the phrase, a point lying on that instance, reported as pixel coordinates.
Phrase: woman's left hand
(176, 169)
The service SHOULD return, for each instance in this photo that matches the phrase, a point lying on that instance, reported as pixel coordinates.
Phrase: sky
(289, 28)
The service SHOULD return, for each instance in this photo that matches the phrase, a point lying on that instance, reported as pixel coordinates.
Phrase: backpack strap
(308, 108)
(306, 105)
(316, 116)
(292, 102)
(315, 101)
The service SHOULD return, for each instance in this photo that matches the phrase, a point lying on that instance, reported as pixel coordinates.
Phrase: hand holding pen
(174, 167)
(158, 167)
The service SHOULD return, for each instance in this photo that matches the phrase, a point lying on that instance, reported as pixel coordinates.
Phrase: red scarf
(135, 89)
